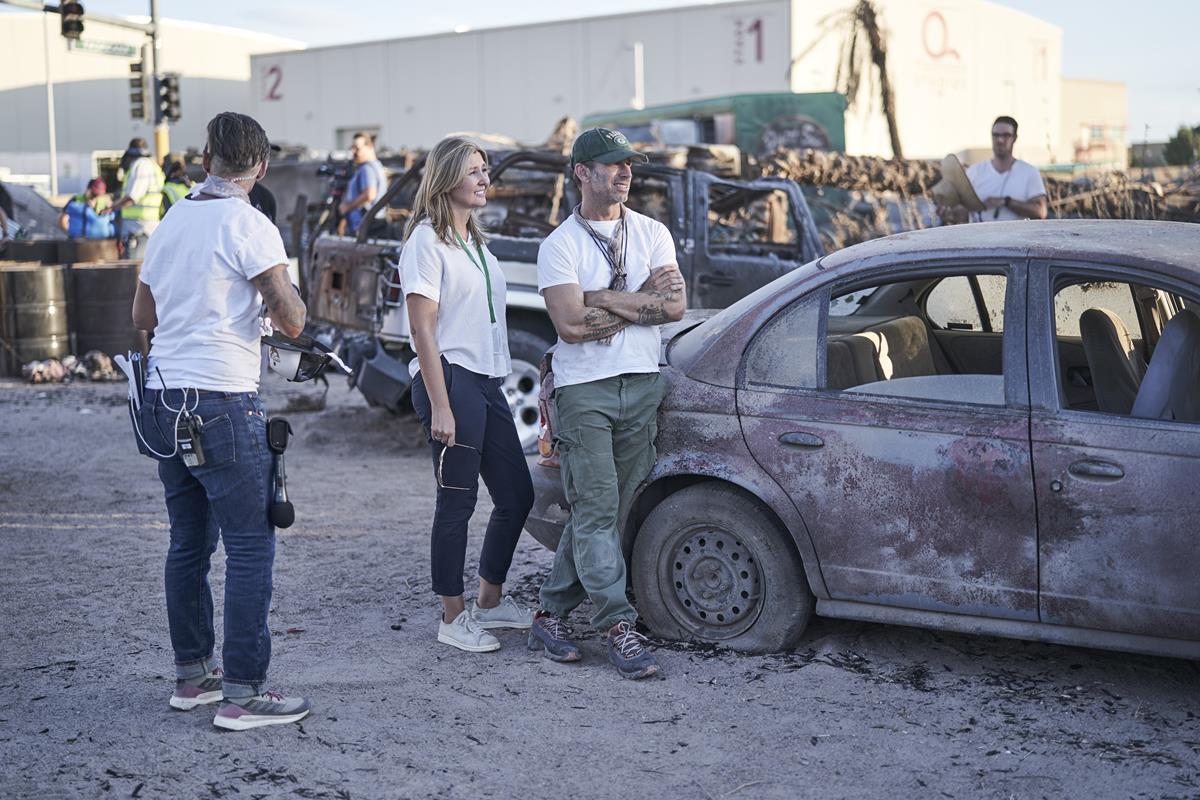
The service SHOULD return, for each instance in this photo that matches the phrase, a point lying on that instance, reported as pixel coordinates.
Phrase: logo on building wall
(935, 36)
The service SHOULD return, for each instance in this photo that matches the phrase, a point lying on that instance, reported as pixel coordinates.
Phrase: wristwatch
(1007, 200)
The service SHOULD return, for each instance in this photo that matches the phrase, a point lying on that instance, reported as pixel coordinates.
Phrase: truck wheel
(522, 384)
(711, 565)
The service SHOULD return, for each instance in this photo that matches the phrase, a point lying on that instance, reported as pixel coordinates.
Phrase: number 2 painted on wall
(271, 80)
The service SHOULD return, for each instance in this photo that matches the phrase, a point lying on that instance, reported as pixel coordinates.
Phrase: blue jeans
(225, 498)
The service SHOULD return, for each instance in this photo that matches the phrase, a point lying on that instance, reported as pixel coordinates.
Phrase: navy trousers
(487, 446)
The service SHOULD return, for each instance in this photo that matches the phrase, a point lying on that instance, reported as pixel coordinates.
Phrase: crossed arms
(581, 316)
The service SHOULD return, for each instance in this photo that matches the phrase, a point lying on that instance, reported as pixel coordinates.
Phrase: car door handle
(715, 280)
(801, 439)
(1097, 469)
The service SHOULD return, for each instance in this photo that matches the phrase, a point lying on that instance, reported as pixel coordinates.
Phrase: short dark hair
(1006, 120)
(138, 143)
(236, 142)
(370, 137)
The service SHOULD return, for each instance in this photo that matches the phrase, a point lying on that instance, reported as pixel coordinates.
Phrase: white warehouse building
(91, 90)
(954, 65)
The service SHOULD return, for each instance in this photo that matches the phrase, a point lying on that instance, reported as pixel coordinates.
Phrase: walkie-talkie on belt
(281, 512)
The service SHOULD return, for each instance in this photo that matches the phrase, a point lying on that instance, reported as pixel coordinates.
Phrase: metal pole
(162, 134)
(639, 76)
(50, 107)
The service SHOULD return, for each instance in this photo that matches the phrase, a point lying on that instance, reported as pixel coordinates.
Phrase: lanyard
(482, 265)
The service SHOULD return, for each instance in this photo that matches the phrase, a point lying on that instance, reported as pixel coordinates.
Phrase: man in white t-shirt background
(1010, 188)
(610, 277)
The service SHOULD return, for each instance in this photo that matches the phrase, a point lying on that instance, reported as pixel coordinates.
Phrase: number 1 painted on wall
(756, 28)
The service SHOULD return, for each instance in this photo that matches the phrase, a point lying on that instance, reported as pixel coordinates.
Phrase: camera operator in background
(367, 185)
(211, 264)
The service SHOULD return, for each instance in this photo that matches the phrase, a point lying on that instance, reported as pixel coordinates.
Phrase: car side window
(939, 349)
(784, 354)
(1124, 348)
(750, 221)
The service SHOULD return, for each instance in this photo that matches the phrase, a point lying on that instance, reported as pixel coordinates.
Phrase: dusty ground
(859, 711)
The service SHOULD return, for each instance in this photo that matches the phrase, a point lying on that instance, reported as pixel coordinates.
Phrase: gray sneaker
(628, 653)
(551, 634)
(268, 708)
(509, 614)
(192, 692)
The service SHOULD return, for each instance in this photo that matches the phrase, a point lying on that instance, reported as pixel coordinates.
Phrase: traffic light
(168, 97)
(138, 105)
(72, 19)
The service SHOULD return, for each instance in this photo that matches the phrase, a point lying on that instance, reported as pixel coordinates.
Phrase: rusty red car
(989, 428)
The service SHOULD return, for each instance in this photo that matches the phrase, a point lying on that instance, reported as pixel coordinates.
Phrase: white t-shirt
(1021, 182)
(198, 266)
(447, 275)
(570, 255)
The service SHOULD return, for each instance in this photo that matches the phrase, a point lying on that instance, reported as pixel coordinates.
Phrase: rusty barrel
(33, 315)
(102, 307)
(44, 251)
(71, 251)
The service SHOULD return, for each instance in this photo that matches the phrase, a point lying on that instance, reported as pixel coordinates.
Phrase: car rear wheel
(710, 564)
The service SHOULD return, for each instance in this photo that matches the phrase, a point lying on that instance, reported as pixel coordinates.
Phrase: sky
(1148, 45)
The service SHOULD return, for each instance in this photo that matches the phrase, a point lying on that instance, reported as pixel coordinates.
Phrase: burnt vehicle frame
(731, 237)
(1027, 514)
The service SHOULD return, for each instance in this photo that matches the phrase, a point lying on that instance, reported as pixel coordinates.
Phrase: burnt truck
(731, 237)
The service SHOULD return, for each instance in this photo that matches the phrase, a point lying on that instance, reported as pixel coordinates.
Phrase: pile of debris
(857, 198)
(94, 366)
(867, 173)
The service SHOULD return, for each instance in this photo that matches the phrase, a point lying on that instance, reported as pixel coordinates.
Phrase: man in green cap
(610, 277)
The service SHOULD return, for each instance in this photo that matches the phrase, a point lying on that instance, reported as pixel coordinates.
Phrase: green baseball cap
(603, 145)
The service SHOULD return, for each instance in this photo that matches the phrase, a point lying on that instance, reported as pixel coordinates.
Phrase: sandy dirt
(859, 710)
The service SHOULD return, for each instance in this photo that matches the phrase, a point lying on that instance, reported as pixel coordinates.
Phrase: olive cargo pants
(606, 431)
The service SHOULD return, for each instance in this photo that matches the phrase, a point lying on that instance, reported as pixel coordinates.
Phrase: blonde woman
(455, 293)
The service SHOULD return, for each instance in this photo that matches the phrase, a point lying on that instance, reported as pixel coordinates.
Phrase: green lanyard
(482, 265)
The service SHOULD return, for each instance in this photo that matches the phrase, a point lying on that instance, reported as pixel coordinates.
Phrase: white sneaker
(464, 634)
(509, 614)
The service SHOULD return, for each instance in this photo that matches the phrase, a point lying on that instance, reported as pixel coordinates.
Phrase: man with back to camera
(210, 265)
(607, 390)
(1009, 187)
(366, 186)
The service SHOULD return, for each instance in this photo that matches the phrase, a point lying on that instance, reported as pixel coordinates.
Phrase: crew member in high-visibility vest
(88, 215)
(140, 204)
(177, 185)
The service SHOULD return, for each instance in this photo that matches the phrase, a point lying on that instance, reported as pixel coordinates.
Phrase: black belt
(211, 394)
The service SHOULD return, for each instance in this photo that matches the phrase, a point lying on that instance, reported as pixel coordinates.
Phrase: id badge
(499, 347)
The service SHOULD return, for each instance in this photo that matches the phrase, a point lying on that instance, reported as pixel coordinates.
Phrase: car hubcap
(521, 390)
(716, 583)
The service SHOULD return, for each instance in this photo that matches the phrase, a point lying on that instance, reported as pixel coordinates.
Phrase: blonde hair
(445, 168)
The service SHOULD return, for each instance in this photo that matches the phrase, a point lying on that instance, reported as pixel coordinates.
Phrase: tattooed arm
(574, 321)
(284, 306)
(662, 298)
